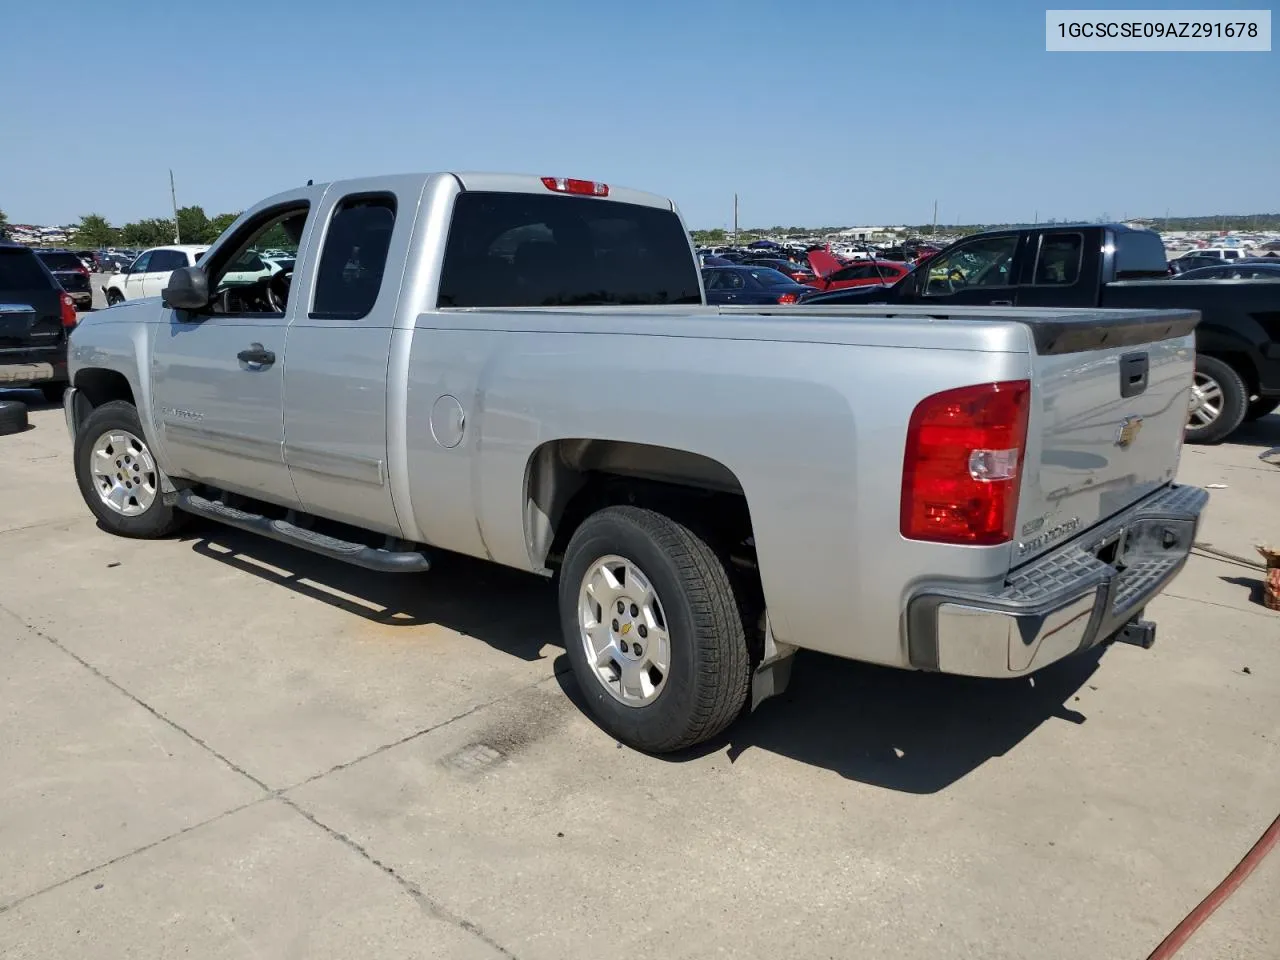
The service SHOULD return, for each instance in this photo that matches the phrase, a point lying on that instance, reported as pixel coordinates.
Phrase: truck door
(218, 374)
(1059, 269)
(339, 345)
(977, 272)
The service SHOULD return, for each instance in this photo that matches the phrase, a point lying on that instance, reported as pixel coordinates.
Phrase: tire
(13, 417)
(114, 297)
(1223, 400)
(708, 670)
(141, 511)
(1260, 408)
(53, 391)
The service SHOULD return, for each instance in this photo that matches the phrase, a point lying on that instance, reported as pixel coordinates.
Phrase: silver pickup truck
(523, 369)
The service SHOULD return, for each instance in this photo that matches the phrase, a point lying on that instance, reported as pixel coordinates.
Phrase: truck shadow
(1263, 432)
(896, 729)
(511, 611)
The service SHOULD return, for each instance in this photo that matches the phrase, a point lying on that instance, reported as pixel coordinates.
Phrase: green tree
(154, 232)
(218, 225)
(194, 225)
(94, 231)
(4, 223)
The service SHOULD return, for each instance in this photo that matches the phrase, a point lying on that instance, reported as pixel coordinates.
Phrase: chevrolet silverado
(524, 369)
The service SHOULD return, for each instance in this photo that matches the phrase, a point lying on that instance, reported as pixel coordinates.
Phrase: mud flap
(774, 672)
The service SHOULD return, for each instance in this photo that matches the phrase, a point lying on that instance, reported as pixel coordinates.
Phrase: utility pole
(933, 231)
(173, 193)
(735, 219)
(1036, 221)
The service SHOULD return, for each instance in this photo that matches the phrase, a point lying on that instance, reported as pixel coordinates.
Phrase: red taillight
(68, 311)
(82, 270)
(787, 298)
(960, 472)
(587, 188)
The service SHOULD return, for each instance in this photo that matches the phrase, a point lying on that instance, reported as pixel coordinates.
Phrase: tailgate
(1109, 404)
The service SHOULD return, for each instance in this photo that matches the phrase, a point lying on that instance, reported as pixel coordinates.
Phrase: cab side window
(240, 281)
(142, 264)
(986, 262)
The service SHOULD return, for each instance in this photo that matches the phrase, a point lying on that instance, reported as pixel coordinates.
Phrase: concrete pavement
(216, 746)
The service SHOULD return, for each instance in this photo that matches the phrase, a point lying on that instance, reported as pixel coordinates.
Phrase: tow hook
(1139, 632)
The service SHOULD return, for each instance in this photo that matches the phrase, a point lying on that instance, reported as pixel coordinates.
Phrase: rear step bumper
(1066, 601)
(371, 558)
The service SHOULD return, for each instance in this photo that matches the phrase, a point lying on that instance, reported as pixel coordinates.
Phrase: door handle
(256, 356)
(1002, 303)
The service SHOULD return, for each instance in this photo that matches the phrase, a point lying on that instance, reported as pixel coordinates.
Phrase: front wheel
(118, 476)
(1219, 400)
(653, 630)
(114, 297)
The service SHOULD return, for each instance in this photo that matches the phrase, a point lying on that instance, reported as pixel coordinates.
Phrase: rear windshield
(20, 271)
(526, 250)
(772, 278)
(1140, 253)
(61, 261)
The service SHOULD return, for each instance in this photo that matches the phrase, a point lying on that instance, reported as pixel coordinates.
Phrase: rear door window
(527, 250)
(354, 257)
(166, 261)
(1058, 263)
(19, 270)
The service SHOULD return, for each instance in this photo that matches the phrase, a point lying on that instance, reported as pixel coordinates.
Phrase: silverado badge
(1127, 432)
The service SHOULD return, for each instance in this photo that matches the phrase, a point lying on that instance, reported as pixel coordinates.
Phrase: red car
(834, 275)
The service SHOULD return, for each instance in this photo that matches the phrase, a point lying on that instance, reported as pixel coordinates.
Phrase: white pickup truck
(523, 369)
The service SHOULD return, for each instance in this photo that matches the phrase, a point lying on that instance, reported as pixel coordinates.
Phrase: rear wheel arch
(566, 480)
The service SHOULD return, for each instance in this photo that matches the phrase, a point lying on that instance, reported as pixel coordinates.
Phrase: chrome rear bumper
(1069, 600)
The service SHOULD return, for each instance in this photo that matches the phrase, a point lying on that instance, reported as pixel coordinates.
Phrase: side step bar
(386, 561)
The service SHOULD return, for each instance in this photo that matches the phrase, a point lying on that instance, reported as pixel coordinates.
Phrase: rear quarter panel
(814, 432)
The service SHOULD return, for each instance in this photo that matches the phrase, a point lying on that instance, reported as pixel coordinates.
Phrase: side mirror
(188, 289)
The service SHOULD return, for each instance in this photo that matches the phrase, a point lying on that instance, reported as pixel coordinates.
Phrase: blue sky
(814, 112)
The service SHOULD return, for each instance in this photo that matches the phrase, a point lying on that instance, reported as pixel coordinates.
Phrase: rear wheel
(114, 297)
(653, 630)
(1261, 407)
(118, 476)
(1219, 401)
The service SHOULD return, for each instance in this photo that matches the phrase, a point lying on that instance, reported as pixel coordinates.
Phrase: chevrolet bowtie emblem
(626, 628)
(1127, 432)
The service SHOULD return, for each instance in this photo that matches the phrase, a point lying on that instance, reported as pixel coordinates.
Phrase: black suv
(36, 318)
(71, 273)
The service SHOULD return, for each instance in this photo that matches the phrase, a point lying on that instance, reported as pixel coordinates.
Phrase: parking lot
(220, 745)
